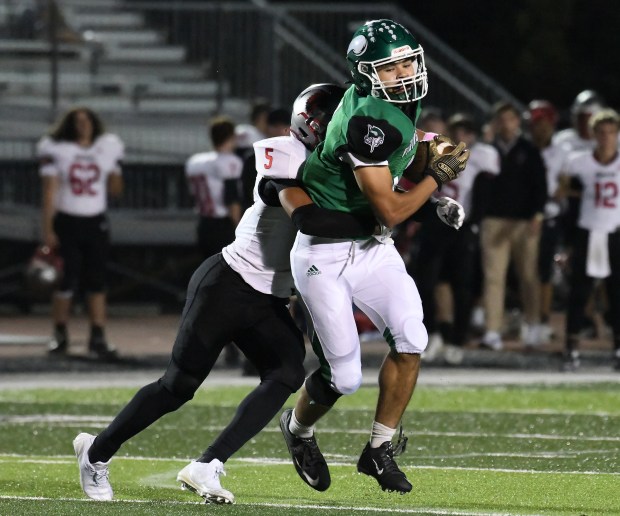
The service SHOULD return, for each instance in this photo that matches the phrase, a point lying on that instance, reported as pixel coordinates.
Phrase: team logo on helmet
(358, 45)
(374, 137)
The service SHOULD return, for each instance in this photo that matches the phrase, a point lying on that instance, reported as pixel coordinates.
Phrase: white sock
(298, 429)
(380, 433)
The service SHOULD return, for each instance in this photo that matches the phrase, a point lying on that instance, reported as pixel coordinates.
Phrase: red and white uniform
(482, 158)
(265, 234)
(600, 198)
(82, 172)
(207, 172)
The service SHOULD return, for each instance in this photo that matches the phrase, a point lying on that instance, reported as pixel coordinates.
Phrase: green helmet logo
(378, 43)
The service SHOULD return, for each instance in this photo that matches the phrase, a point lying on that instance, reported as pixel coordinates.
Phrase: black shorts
(221, 307)
(84, 248)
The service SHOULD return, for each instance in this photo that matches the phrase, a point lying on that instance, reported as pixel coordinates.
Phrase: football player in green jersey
(370, 142)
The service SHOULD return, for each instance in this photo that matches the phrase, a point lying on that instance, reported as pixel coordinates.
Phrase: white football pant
(331, 275)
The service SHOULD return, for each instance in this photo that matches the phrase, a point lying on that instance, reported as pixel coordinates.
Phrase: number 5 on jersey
(268, 158)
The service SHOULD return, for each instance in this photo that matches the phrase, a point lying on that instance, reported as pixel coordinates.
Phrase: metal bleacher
(156, 71)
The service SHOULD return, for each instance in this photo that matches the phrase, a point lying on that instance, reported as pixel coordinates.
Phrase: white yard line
(70, 420)
(343, 508)
(345, 461)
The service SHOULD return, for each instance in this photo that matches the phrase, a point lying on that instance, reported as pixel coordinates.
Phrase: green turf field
(472, 451)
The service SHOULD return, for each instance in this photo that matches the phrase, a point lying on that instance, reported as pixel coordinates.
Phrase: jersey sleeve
(47, 156)
(371, 140)
(490, 160)
(231, 168)
(571, 166)
(279, 158)
(114, 147)
(192, 166)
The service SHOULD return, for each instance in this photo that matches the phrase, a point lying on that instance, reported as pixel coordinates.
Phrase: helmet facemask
(401, 90)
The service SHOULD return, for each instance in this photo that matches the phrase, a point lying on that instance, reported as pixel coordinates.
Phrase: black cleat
(570, 361)
(307, 458)
(99, 347)
(380, 464)
(59, 344)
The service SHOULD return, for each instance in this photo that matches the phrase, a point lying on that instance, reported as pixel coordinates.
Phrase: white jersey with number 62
(82, 172)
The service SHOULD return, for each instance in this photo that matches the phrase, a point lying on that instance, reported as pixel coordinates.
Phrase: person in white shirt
(80, 167)
(596, 250)
(214, 179)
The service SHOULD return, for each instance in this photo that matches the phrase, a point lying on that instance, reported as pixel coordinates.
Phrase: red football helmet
(43, 272)
(538, 109)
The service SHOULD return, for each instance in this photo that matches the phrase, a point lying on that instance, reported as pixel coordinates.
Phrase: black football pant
(84, 248)
(581, 287)
(220, 308)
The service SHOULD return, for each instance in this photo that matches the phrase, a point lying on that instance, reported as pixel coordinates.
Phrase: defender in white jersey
(450, 256)
(215, 183)
(596, 252)
(239, 296)
(80, 167)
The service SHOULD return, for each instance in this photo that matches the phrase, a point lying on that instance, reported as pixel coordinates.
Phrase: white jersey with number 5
(265, 234)
(600, 199)
(82, 172)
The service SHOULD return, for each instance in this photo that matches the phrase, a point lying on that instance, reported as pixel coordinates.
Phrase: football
(445, 148)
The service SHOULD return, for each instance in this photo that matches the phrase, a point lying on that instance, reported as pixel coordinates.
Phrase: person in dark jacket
(511, 226)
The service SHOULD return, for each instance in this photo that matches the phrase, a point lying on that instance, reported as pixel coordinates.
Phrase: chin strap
(401, 444)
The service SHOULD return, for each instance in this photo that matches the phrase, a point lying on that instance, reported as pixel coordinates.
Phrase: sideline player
(596, 250)
(80, 166)
(370, 142)
(214, 178)
(239, 295)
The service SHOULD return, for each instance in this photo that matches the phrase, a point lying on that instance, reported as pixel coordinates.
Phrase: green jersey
(363, 130)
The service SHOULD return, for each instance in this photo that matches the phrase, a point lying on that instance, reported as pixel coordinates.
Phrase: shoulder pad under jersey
(113, 145)
(279, 157)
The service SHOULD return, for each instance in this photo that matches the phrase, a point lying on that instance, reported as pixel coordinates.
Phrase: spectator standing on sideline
(442, 247)
(80, 165)
(249, 134)
(214, 179)
(596, 250)
(511, 226)
(369, 144)
(240, 294)
(542, 118)
(278, 124)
